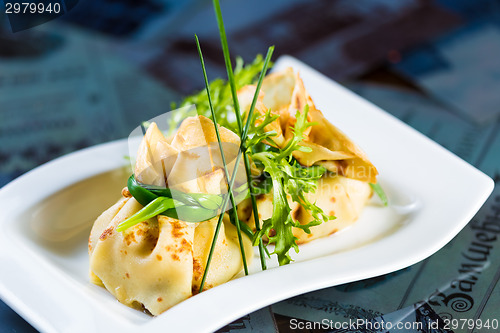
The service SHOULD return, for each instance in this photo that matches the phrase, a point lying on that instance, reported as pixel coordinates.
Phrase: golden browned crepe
(336, 195)
(160, 262)
(344, 190)
(284, 93)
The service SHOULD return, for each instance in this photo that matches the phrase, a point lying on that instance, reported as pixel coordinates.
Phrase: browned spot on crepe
(130, 237)
(185, 245)
(197, 269)
(176, 230)
(333, 231)
(126, 193)
(106, 233)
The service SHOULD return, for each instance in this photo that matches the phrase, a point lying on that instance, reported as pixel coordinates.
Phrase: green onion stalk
(243, 136)
(243, 132)
(234, 213)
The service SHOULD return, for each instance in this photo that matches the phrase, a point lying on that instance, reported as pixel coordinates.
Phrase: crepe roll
(337, 196)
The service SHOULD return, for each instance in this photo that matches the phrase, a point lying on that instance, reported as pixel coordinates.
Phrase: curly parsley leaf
(281, 174)
(289, 178)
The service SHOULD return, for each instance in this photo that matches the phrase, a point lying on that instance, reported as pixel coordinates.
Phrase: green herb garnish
(192, 207)
(288, 177)
(243, 132)
(380, 192)
(234, 213)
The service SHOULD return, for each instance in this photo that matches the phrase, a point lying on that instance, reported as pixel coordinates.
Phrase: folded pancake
(245, 98)
(160, 262)
(155, 158)
(333, 150)
(200, 160)
(344, 190)
(284, 92)
(336, 195)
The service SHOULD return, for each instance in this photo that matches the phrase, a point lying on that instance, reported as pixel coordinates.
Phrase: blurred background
(91, 75)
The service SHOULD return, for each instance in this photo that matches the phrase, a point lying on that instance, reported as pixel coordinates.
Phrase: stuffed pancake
(159, 262)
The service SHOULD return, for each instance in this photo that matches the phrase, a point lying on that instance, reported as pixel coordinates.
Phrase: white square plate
(46, 216)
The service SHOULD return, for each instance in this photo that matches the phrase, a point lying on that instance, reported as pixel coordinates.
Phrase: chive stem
(243, 132)
(219, 222)
(227, 60)
(380, 193)
(242, 150)
(226, 172)
(247, 161)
